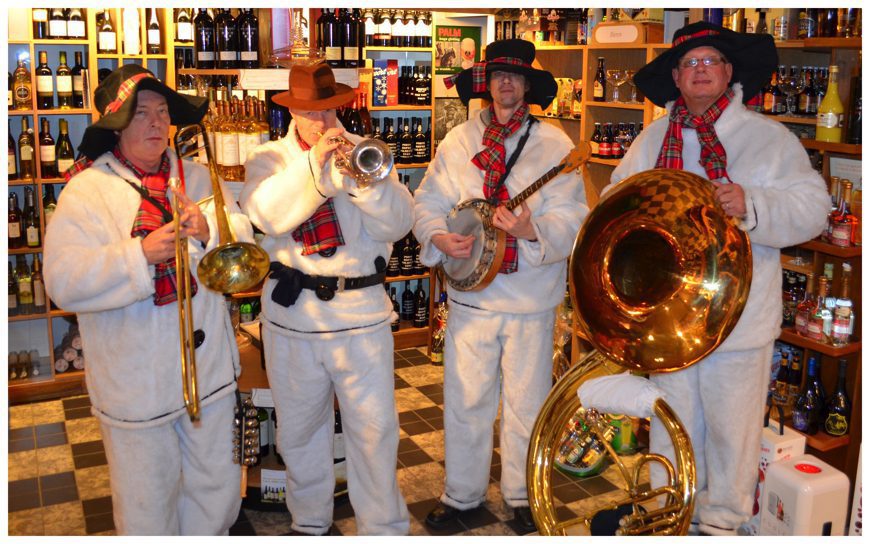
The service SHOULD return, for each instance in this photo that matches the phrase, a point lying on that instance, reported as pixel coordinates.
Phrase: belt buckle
(324, 292)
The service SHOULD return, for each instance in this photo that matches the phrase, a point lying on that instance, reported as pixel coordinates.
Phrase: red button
(808, 468)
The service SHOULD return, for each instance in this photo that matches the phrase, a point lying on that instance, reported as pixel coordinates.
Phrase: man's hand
(193, 222)
(326, 146)
(517, 225)
(732, 198)
(159, 245)
(454, 245)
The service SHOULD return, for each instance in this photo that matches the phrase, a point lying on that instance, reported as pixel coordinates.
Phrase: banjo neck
(531, 189)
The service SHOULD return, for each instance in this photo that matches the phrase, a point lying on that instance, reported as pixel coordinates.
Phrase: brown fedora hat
(313, 87)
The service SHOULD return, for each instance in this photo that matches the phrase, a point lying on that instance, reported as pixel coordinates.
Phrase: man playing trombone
(109, 257)
(326, 317)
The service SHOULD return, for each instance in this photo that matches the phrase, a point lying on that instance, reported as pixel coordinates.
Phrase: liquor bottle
(132, 41)
(789, 299)
(407, 258)
(153, 33)
(44, 83)
(421, 306)
(349, 28)
(107, 41)
(839, 407)
(604, 147)
(806, 24)
(204, 40)
(595, 141)
(40, 23)
(49, 204)
(30, 219)
(369, 26)
(39, 304)
(599, 83)
(805, 308)
(829, 120)
(808, 104)
(421, 148)
(761, 25)
(844, 314)
(843, 223)
(384, 33)
(64, 153)
(75, 26)
(390, 138)
(78, 84)
(249, 39)
(183, 26)
(807, 407)
(821, 322)
(64, 83)
(419, 267)
(12, 160)
(407, 313)
(331, 39)
(438, 330)
(794, 381)
(26, 161)
(22, 89)
(25, 286)
(780, 391)
(394, 324)
(12, 288)
(226, 39)
(15, 223)
(47, 159)
(406, 145)
(853, 136)
(426, 30)
(57, 24)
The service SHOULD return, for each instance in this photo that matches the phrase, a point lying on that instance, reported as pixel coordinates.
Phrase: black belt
(291, 282)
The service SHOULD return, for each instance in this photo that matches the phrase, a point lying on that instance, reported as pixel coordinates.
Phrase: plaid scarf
(321, 231)
(492, 161)
(148, 219)
(713, 156)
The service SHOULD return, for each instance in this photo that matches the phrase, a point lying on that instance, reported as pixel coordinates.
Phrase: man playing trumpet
(326, 317)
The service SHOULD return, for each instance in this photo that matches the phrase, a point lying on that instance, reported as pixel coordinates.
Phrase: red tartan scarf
(150, 218)
(321, 231)
(713, 156)
(492, 161)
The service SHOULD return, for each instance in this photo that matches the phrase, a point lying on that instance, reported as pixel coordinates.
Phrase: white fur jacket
(786, 201)
(557, 211)
(94, 267)
(283, 188)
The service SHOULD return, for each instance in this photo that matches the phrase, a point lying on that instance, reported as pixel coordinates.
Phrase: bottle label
(40, 15)
(26, 152)
(44, 84)
(57, 28)
(827, 120)
(22, 93)
(15, 230)
(230, 149)
(814, 329)
(32, 236)
(593, 145)
(107, 41)
(10, 164)
(154, 36)
(185, 32)
(228, 56)
(800, 322)
(800, 421)
(75, 29)
(253, 140)
(333, 53)
(25, 292)
(351, 54)
(38, 294)
(248, 56)
(836, 424)
(597, 89)
(841, 234)
(64, 84)
(205, 56)
(78, 84)
(13, 301)
(64, 164)
(46, 153)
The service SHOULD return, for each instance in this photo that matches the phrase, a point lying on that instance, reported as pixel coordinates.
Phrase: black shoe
(441, 515)
(523, 516)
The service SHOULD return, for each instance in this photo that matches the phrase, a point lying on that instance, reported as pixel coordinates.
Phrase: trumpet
(370, 161)
(231, 267)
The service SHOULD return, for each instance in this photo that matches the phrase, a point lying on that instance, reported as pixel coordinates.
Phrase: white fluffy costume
(499, 339)
(168, 476)
(314, 347)
(721, 399)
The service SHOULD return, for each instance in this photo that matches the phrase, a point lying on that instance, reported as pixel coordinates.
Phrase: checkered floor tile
(59, 481)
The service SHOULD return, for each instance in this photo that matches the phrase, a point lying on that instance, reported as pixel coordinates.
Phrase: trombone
(370, 161)
(231, 267)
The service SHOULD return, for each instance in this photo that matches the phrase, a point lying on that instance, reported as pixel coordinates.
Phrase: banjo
(474, 217)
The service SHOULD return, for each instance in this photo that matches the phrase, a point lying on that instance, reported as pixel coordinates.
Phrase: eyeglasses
(692, 62)
(498, 74)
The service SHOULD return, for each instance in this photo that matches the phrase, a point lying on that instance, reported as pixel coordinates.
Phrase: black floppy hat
(514, 56)
(115, 98)
(752, 56)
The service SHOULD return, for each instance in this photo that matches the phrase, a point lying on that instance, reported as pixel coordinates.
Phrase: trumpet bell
(371, 159)
(233, 268)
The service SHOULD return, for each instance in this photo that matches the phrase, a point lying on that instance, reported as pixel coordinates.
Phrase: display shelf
(392, 49)
(26, 250)
(411, 165)
(787, 264)
(617, 105)
(28, 317)
(409, 336)
(56, 111)
(392, 279)
(831, 43)
(821, 441)
(401, 108)
(831, 249)
(793, 119)
(789, 336)
(609, 162)
(833, 147)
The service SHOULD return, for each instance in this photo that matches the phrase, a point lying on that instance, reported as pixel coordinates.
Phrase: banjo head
(472, 217)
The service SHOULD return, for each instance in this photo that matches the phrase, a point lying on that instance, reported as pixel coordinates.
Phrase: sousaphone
(659, 276)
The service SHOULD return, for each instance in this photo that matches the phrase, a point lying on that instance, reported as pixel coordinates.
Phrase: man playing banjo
(503, 332)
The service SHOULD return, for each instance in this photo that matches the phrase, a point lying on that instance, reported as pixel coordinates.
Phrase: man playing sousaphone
(110, 257)
(503, 332)
(326, 317)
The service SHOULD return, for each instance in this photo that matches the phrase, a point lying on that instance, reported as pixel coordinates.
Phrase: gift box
(385, 82)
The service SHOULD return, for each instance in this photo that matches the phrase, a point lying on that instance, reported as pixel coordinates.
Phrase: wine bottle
(64, 153)
(26, 160)
(57, 24)
(249, 39)
(78, 83)
(421, 306)
(369, 26)
(599, 84)
(821, 322)
(204, 40)
(30, 220)
(829, 119)
(15, 223)
(40, 23)
(794, 380)
(407, 313)
(22, 89)
(394, 324)
(12, 288)
(183, 26)
(843, 222)
(394, 265)
(25, 286)
(407, 261)
(44, 83)
(349, 38)
(839, 407)
(227, 40)
(807, 407)
(75, 26)
(844, 313)
(780, 392)
(853, 136)
(107, 40)
(390, 137)
(421, 149)
(12, 160)
(47, 159)
(805, 308)
(132, 39)
(49, 204)
(64, 82)
(332, 39)
(595, 141)
(153, 33)
(406, 145)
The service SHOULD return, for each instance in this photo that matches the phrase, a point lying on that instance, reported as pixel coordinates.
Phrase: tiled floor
(59, 480)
